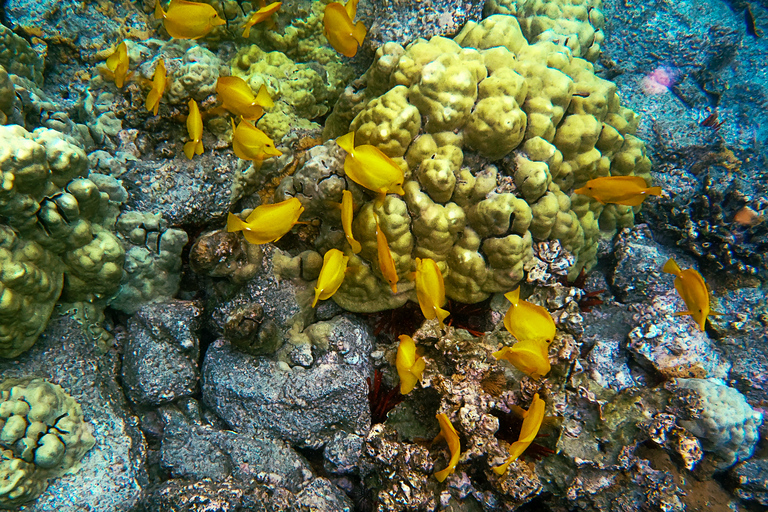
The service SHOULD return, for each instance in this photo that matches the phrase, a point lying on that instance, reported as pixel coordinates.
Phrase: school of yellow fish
(531, 325)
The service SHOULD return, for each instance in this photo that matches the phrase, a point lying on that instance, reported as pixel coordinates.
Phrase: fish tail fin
(153, 101)
(356, 247)
(359, 32)
(199, 147)
(234, 223)
(513, 296)
(347, 142)
(317, 297)
(189, 149)
(263, 98)
(671, 267)
(441, 316)
(246, 34)
(159, 12)
(653, 191)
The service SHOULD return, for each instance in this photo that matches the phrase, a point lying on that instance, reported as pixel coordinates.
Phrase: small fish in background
(693, 290)
(386, 261)
(236, 96)
(624, 190)
(747, 217)
(331, 275)
(409, 364)
(268, 222)
(118, 64)
(262, 14)
(369, 167)
(449, 434)
(158, 87)
(659, 81)
(430, 290)
(749, 19)
(347, 210)
(250, 143)
(195, 130)
(712, 121)
(532, 419)
(188, 20)
(344, 35)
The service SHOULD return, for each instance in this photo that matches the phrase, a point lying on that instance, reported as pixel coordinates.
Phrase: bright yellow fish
(250, 143)
(268, 222)
(529, 356)
(693, 290)
(409, 365)
(367, 166)
(236, 96)
(259, 16)
(347, 209)
(195, 130)
(118, 64)
(451, 437)
(158, 87)
(532, 419)
(338, 27)
(626, 190)
(331, 275)
(430, 290)
(188, 20)
(386, 262)
(526, 321)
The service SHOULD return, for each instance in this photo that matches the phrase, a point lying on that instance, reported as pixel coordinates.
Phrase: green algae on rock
(42, 436)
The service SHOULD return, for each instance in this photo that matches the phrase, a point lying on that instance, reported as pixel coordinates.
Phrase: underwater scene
(383, 255)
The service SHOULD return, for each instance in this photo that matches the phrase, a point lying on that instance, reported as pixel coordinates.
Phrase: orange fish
(430, 290)
(347, 209)
(369, 167)
(692, 288)
(188, 20)
(449, 434)
(532, 419)
(118, 63)
(259, 16)
(331, 275)
(195, 130)
(338, 27)
(236, 96)
(250, 143)
(268, 222)
(158, 87)
(625, 190)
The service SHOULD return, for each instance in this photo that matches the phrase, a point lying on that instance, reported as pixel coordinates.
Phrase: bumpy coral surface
(542, 114)
(56, 239)
(42, 436)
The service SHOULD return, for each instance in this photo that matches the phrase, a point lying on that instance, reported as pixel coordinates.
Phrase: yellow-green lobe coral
(42, 436)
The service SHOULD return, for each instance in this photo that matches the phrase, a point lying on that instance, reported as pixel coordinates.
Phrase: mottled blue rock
(161, 354)
(342, 453)
(606, 329)
(752, 481)
(305, 406)
(112, 475)
(322, 496)
(195, 451)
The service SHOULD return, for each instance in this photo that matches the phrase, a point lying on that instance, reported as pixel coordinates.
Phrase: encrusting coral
(543, 115)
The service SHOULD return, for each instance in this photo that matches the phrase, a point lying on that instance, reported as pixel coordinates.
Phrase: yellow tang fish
(451, 437)
(331, 275)
(430, 290)
(259, 16)
(532, 419)
(250, 143)
(188, 20)
(347, 209)
(409, 365)
(338, 27)
(386, 262)
(118, 63)
(692, 288)
(158, 87)
(237, 97)
(268, 222)
(626, 190)
(526, 321)
(529, 356)
(195, 130)
(367, 166)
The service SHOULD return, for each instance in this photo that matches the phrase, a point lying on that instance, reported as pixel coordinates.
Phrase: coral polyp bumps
(540, 114)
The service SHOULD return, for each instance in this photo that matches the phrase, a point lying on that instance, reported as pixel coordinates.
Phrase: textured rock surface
(115, 466)
(161, 353)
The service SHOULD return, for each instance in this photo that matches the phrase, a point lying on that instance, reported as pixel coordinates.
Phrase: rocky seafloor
(152, 361)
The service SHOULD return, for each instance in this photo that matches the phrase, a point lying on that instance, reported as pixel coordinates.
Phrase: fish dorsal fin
(263, 98)
(513, 296)
(351, 8)
(671, 267)
(159, 12)
(347, 142)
